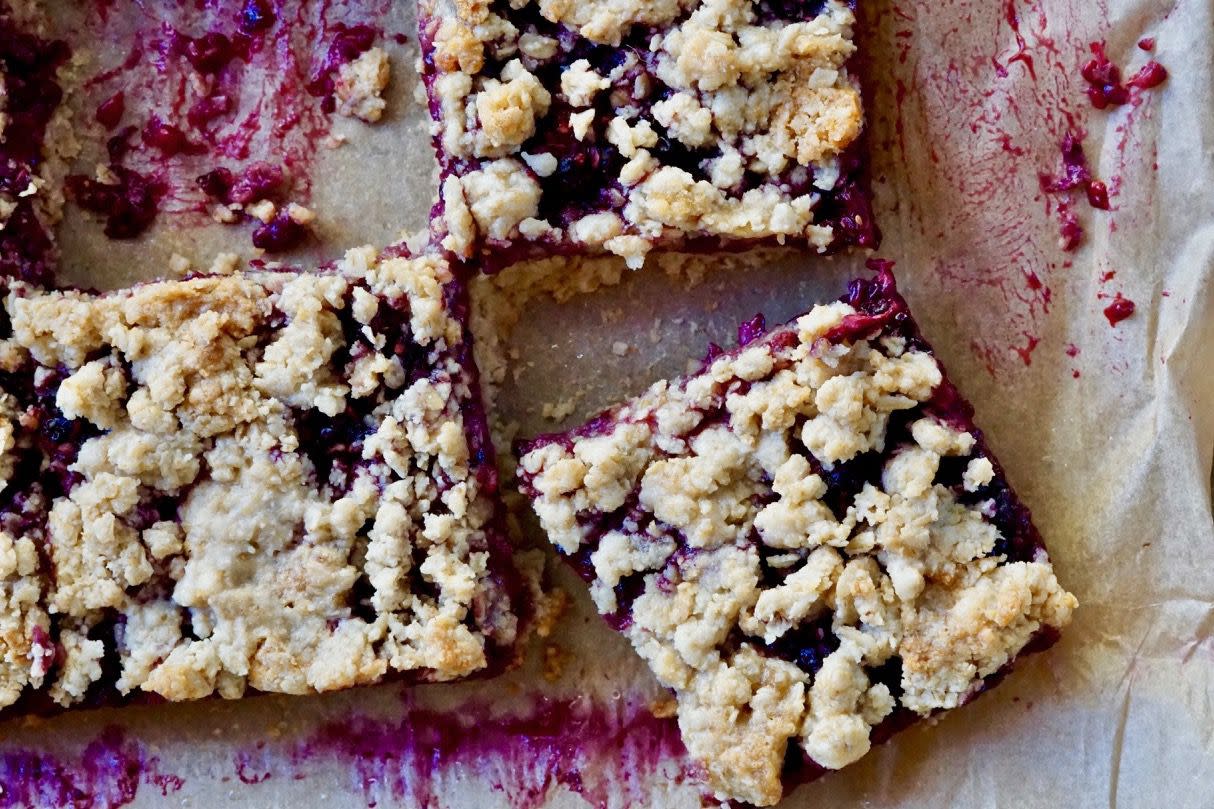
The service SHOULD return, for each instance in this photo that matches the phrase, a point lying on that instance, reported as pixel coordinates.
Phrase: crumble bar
(617, 126)
(808, 541)
(269, 481)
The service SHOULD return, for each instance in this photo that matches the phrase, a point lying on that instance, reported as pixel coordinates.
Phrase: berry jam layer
(30, 99)
(272, 481)
(620, 126)
(808, 541)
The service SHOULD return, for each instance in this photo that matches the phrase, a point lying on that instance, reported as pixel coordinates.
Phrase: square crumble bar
(566, 126)
(808, 541)
(269, 481)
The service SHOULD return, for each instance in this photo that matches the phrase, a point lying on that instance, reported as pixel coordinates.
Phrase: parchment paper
(1107, 432)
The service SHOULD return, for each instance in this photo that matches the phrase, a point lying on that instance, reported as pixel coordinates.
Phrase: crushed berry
(1069, 230)
(1120, 309)
(751, 330)
(1075, 173)
(1104, 79)
(1152, 74)
(1075, 176)
(1098, 195)
(110, 112)
(210, 53)
(349, 43)
(207, 109)
(258, 181)
(30, 66)
(1146, 44)
(166, 137)
(118, 145)
(876, 304)
(129, 207)
(280, 234)
(255, 17)
(216, 184)
(1105, 88)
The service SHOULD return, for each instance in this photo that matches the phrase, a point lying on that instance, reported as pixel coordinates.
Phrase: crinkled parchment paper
(1107, 432)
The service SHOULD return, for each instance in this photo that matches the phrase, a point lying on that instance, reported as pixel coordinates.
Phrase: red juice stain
(107, 775)
(1072, 350)
(1021, 55)
(1120, 309)
(1025, 352)
(250, 771)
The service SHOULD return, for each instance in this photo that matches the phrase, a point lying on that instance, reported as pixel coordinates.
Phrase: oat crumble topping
(267, 480)
(804, 540)
(618, 126)
(360, 85)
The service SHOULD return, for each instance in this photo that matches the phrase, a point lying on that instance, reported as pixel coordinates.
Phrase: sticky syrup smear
(217, 87)
(614, 753)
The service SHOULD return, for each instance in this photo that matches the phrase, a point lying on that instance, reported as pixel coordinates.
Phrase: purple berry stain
(208, 89)
(611, 754)
(107, 774)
